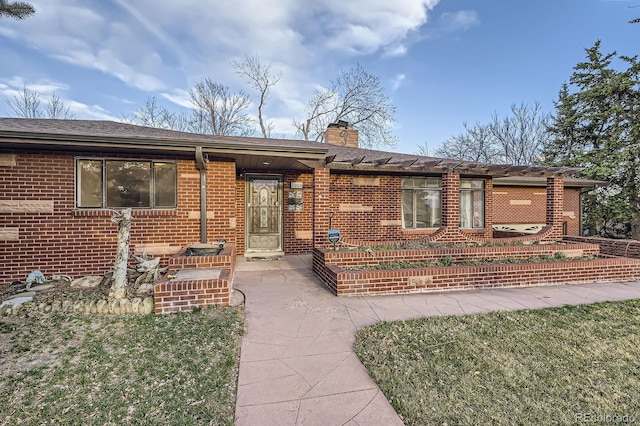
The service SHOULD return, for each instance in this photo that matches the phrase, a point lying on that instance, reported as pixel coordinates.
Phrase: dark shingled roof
(72, 133)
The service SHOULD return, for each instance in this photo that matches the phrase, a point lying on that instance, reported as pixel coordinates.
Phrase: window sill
(135, 212)
(420, 230)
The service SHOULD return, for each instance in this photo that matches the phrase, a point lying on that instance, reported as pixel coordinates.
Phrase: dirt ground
(62, 290)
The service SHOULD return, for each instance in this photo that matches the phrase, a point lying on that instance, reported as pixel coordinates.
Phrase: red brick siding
(384, 204)
(81, 242)
(572, 205)
(321, 206)
(451, 200)
(298, 225)
(221, 201)
(508, 210)
(240, 214)
(383, 200)
(511, 208)
(488, 208)
(555, 204)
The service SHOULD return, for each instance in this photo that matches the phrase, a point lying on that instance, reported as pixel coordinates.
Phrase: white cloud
(11, 89)
(461, 20)
(178, 97)
(366, 26)
(397, 81)
(88, 112)
(163, 47)
(43, 86)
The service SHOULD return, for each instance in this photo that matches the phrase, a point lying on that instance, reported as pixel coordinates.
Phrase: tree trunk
(119, 286)
(635, 227)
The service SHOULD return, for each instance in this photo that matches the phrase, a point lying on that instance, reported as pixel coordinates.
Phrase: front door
(264, 213)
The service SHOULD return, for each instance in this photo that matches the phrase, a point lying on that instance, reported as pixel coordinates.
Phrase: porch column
(555, 204)
(321, 205)
(451, 200)
(488, 208)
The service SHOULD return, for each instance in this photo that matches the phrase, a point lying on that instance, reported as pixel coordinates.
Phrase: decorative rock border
(139, 306)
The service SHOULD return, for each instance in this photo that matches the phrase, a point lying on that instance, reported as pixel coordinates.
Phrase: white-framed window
(118, 183)
(471, 203)
(421, 202)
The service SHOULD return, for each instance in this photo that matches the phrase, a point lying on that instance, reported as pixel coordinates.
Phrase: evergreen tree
(596, 126)
(16, 9)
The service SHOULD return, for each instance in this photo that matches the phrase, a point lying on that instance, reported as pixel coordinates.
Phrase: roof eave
(157, 145)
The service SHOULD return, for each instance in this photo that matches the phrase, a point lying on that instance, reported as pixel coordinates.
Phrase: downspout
(201, 164)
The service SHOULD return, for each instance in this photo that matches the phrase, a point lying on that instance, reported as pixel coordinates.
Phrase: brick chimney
(341, 134)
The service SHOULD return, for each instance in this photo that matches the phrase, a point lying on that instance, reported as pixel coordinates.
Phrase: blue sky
(443, 62)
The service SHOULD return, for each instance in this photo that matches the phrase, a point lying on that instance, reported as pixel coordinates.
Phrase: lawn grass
(156, 369)
(545, 366)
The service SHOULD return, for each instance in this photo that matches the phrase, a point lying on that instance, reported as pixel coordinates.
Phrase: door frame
(249, 177)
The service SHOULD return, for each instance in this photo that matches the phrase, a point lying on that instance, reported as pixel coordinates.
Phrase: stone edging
(137, 306)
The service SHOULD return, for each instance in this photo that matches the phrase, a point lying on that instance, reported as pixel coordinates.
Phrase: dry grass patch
(544, 366)
(156, 369)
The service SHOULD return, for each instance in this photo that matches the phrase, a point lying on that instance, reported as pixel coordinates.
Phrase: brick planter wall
(423, 280)
(185, 295)
(345, 259)
(624, 248)
(226, 259)
(174, 295)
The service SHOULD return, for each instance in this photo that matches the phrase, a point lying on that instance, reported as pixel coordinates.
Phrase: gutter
(201, 164)
(156, 144)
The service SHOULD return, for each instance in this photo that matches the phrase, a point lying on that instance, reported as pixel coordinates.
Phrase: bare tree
(317, 111)
(55, 108)
(261, 78)
(521, 135)
(219, 112)
(27, 104)
(516, 139)
(151, 114)
(357, 97)
(423, 150)
(476, 144)
(16, 9)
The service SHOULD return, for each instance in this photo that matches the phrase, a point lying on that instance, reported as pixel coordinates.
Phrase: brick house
(265, 197)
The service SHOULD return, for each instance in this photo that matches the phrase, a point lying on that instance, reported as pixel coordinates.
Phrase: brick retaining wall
(345, 259)
(422, 280)
(185, 295)
(624, 248)
(174, 295)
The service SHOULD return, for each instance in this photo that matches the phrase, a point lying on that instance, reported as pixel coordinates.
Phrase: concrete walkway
(297, 364)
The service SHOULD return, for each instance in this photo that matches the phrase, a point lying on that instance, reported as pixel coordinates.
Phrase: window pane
(418, 183)
(466, 209)
(434, 183)
(421, 209)
(433, 208)
(165, 184)
(89, 185)
(478, 209)
(407, 208)
(407, 183)
(128, 183)
(472, 183)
